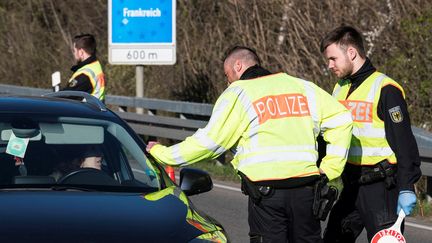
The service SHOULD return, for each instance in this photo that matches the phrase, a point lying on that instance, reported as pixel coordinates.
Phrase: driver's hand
(150, 145)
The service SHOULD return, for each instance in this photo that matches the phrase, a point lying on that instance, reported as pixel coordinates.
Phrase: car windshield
(65, 152)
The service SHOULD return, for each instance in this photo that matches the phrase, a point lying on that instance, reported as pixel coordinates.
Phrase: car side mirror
(195, 181)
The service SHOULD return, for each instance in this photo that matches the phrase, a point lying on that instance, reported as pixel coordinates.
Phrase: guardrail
(179, 128)
(174, 127)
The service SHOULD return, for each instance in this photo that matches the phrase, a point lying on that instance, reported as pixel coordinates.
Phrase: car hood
(75, 216)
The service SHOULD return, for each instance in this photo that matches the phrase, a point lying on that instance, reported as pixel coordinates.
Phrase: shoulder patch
(396, 114)
(73, 83)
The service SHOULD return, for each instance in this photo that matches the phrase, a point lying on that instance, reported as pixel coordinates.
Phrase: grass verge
(218, 171)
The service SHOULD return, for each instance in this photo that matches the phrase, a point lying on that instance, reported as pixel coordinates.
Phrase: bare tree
(36, 41)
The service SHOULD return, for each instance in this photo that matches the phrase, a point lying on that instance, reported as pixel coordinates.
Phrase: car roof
(53, 106)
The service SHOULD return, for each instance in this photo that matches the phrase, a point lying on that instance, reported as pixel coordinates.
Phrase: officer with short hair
(88, 75)
(272, 121)
(383, 162)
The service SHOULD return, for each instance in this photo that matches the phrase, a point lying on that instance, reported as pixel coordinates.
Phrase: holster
(383, 171)
(324, 198)
(256, 193)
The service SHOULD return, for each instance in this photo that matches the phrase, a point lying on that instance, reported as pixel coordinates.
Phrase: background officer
(88, 75)
(272, 121)
(383, 161)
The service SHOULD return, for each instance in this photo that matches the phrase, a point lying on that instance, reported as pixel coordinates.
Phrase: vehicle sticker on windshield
(17, 146)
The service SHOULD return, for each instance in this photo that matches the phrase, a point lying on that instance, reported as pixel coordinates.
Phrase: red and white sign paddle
(392, 234)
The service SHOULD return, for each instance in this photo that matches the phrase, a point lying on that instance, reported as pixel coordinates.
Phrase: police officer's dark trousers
(284, 216)
(371, 206)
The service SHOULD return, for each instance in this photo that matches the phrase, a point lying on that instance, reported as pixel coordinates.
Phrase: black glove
(324, 198)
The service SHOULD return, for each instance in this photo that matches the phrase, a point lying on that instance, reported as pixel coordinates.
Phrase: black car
(71, 170)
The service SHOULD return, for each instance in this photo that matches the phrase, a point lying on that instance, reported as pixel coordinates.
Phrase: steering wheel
(88, 176)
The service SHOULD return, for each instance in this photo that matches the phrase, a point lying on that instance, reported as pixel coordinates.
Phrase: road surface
(228, 205)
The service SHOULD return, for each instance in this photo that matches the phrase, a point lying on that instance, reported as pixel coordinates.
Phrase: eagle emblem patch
(396, 114)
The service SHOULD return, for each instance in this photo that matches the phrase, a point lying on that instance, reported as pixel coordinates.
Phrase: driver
(92, 161)
(91, 158)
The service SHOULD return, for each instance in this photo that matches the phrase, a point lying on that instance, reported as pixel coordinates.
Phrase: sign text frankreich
(281, 106)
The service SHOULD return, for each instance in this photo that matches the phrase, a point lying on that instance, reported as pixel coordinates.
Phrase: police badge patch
(396, 114)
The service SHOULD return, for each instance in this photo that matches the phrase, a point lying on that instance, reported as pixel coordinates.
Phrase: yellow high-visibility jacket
(94, 72)
(272, 123)
(369, 144)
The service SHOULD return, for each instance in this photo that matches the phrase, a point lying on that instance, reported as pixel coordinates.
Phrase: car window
(68, 150)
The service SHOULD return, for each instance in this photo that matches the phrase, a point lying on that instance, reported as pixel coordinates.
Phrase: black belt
(258, 190)
(382, 171)
(289, 182)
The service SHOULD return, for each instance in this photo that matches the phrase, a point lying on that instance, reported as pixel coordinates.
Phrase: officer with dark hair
(249, 55)
(88, 75)
(271, 121)
(383, 161)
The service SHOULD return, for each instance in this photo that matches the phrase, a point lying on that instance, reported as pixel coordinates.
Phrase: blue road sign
(147, 21)
(141, 31)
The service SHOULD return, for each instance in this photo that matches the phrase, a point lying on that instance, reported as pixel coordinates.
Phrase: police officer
(272, 121)
(383, 161)
(88, 75)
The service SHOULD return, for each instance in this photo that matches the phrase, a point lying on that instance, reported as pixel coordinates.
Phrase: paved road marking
(227, 187)
(239, 190)
(420, 226)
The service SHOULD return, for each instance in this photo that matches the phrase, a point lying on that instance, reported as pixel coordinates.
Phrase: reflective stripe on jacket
(272, 123)
(369, 144)
(94, 72)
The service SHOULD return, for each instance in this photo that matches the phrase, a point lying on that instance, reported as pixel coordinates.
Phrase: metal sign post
(141, 33)
(139, 84)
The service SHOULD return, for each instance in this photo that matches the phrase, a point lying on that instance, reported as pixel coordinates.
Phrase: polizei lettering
(280, 106)
(142, 12)
(361, 111)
